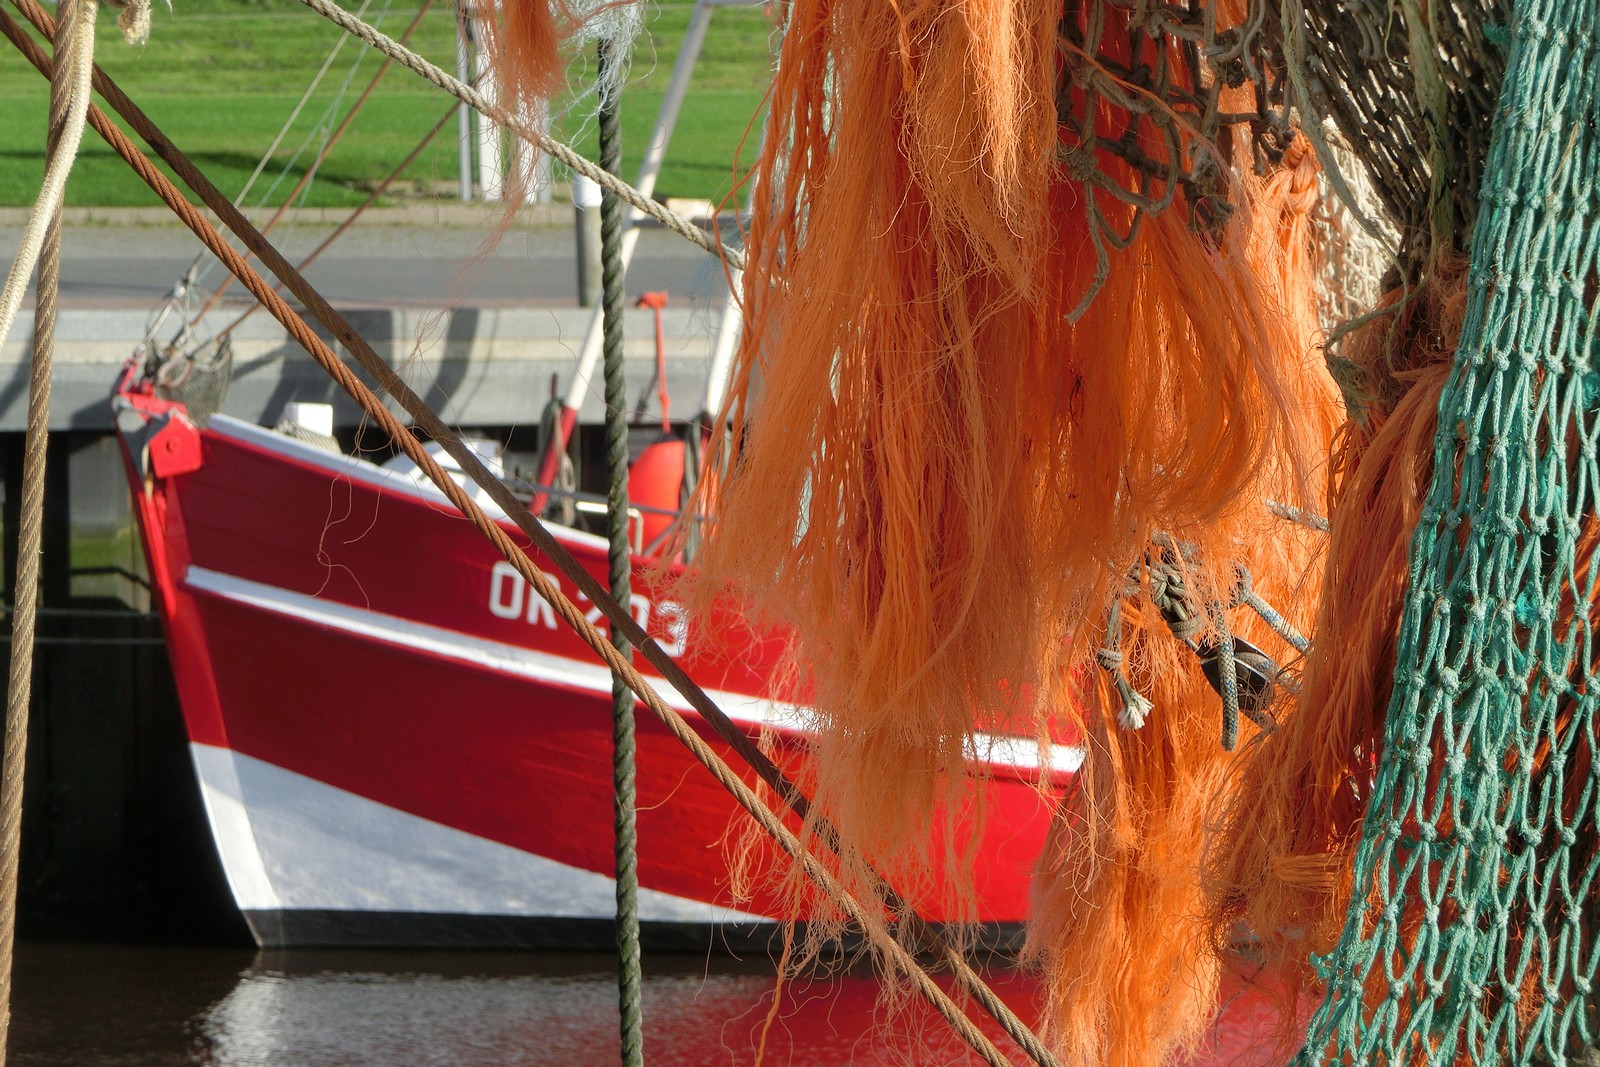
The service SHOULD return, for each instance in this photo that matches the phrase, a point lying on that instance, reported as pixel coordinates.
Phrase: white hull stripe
(550, 669)
(291, 842)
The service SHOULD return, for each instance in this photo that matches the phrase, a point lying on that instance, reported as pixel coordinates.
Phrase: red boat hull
(398, 743)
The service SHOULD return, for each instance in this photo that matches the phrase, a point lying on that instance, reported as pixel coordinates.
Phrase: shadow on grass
(102, 179)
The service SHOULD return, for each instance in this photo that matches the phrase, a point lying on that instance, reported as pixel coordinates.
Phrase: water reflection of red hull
(397, 742)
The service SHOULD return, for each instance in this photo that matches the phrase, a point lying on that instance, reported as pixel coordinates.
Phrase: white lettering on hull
(511, 598)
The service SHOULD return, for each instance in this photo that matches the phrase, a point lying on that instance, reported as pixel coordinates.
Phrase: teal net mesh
(1474, 933)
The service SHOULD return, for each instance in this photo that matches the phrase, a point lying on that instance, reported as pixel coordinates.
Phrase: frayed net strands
(1281, 854)
(1018, 301)
(530, 41)
(1119, 923)
(984, 365)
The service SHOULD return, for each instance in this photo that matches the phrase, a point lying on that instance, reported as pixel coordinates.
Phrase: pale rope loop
(54, 188)
(534, 137)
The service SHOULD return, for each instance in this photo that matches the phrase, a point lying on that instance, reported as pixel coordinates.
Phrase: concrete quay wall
(478, 366)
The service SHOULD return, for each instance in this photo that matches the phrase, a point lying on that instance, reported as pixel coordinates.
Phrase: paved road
(486, 330)
(387, 266)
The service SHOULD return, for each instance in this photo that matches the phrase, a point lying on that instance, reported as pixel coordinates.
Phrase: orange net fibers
(1120, 920)
(1281, 862)
(940, 480)
(523, 39)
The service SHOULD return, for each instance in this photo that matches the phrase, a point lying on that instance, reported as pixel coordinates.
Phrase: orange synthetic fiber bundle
(1280, 864)
(1120, 922)
(941, 479)
(523, 39)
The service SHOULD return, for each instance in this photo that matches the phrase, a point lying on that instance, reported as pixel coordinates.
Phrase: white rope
(80, 54)
(532, 136)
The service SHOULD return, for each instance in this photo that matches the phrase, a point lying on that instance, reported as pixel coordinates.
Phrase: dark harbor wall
(114, 841)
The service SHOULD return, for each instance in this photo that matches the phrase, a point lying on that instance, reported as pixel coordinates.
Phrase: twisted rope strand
(69, 102)
(619, 557)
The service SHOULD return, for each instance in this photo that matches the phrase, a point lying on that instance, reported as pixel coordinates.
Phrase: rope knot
(1135, 709)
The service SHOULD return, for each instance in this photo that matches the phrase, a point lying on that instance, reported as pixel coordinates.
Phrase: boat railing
(595, 504)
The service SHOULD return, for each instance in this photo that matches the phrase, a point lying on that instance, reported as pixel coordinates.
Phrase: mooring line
(536, 138)
(69, 104)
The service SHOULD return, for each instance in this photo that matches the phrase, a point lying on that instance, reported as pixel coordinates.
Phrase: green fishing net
(1474, 932)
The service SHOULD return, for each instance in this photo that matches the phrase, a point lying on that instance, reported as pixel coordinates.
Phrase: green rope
(612, 216)
(1474, 930)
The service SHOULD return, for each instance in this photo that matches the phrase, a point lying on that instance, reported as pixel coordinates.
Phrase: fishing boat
(398, 743)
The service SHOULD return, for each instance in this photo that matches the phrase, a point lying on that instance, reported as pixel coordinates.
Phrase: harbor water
(100, 1006)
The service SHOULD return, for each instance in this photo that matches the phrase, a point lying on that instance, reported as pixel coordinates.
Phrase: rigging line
(69, 104)
(784, 789)
(295, 114)
(311, 172)
(561, 152)
(931, 939)
(192, 274)
(318, 135)
(624, 747)
(867, 919)
(350, 219)
(320, 129)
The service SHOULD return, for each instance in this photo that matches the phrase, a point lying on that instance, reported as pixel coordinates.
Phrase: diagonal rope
(52, 194)
(69, 103)
(892, 951)
(534, 137)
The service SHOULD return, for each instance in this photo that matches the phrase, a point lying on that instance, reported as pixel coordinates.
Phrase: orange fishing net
(1002, 333)
(1120, 922)
(1281, 864)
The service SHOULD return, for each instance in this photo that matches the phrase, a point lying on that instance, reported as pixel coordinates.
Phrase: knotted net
(1472, 935)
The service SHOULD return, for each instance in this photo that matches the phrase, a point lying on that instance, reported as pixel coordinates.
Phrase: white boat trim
(291, 842)
(996, 750)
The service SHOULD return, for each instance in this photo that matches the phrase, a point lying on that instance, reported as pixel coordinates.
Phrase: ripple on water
(170, 1007)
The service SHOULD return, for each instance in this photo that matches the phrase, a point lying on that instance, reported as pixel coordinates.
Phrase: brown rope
(893, 952)
(74, 42)
(327, 148)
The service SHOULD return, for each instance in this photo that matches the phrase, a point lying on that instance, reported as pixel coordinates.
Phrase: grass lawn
(221, 76)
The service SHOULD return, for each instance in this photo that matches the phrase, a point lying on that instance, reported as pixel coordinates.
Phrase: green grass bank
(222, 76)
